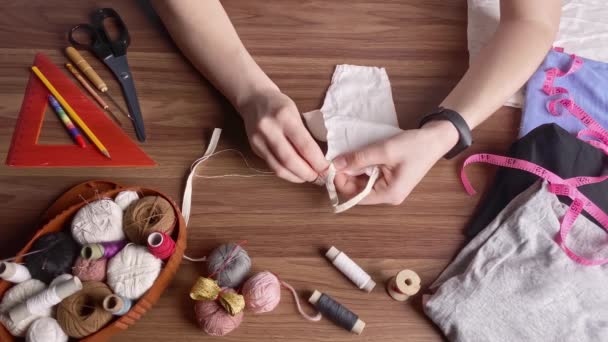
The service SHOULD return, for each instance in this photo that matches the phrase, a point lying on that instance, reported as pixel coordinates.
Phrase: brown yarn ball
(82, 313)
(148, 215)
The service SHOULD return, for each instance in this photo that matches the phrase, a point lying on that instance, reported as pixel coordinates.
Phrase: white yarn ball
(45, 329)
(132, 271)
(99, 221)
(19, 293)
(125, 198)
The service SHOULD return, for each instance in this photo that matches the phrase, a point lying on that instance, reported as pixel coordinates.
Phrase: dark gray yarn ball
(58, 252)
(235, 270)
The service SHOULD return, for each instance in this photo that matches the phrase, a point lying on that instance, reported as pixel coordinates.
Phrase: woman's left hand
(403, 161)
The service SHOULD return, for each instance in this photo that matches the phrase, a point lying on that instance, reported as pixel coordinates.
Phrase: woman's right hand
(278, 135)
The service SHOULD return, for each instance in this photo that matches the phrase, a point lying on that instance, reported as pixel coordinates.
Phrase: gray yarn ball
(235, 270)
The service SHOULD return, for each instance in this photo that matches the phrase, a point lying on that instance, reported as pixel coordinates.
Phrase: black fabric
(553, 148)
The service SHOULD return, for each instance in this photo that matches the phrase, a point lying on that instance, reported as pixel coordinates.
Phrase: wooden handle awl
(86, 68)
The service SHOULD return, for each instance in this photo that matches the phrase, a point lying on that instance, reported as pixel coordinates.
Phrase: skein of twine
(82, 314)
(337, 312)
(15, 273)
(350, 269)
(117, 305)
(104, 250)
(161, 245)
(207, 289)
(44, 300)
(147, 215)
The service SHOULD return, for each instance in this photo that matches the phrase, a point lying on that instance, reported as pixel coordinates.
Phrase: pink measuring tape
(557, 185)
(594, 129)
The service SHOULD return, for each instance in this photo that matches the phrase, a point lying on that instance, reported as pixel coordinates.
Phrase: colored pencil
(69, 125)
(71, 112)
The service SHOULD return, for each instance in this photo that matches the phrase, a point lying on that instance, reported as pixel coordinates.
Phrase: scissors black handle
(100, 42)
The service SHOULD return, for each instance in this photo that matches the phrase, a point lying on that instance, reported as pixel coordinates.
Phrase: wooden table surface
(423, 46)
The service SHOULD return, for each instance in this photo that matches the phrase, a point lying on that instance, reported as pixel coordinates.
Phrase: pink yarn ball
(90, 270)
(214, 319)
(262, 292)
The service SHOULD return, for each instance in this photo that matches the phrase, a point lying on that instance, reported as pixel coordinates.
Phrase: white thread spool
(45, 329)
(350, 269)
(14, 273)
(404, 285)
(125, 198)
(45, 300)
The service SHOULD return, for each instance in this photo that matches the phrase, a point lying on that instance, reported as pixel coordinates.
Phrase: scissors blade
(120, 68)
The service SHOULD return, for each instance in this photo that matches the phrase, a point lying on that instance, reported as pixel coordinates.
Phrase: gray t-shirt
(514, 283)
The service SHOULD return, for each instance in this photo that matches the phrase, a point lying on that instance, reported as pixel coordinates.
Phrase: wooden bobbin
(404, 285)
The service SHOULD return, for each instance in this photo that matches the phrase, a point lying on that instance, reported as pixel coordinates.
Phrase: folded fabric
(358, 110)
(553, 148)
(514, 283)
(582, 30)
(585, 85)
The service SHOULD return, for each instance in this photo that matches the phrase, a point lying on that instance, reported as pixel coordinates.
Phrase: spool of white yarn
(350, 269)
(61, 278)
(15, 296)
(125, 198)
(20, 293)
(132, 271)
(42, 302)
(45, 329)
(14, 273)
(99, 221)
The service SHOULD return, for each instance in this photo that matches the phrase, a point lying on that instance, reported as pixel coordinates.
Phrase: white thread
(99, 221)
(20, 293)
(42, 303)
(350, 269)
(333, 194)
(195, 259)
(45, 329)
(14, 273)
(132, 271)
(23, 255)
(125, 198)
(15, 296)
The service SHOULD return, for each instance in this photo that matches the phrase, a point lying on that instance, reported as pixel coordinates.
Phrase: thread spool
(337, 312)
(42, 302)
(214, 320)
(45, 329)
(161, 245)
(125, 198)
(13, 297)
(99, 221)
(82, 313)
(148, 215)
(57, 253)
(14, 273)
(404, 285)
(229, 264)
(90, 270)
(132, 271)
(350, 269)
(104, 250)
(117, 305)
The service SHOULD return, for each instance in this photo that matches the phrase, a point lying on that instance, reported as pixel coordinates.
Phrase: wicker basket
(58, 216)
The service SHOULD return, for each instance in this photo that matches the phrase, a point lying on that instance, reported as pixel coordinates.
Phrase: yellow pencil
(71, 112)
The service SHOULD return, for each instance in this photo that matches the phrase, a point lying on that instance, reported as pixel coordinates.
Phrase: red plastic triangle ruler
(25, 151)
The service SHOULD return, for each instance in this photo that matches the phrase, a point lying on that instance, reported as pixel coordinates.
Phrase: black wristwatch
(465, 139)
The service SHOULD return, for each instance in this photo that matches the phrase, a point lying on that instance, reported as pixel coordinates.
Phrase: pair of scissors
(113, 52)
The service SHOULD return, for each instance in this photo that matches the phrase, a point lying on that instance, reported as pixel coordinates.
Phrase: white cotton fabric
(583, 30)
(358, 110)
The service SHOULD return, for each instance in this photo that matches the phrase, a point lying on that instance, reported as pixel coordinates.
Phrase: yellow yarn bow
(208, 289)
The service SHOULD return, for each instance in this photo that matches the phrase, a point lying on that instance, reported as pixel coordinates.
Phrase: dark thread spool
(337, 312)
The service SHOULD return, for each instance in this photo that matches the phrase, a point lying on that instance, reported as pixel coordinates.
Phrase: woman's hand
(403, 160)
(277, 134)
